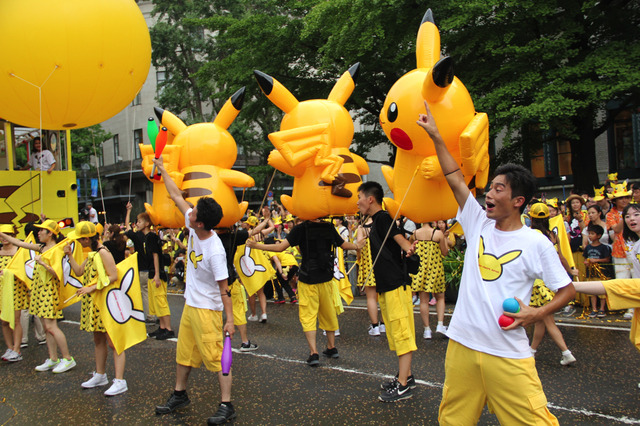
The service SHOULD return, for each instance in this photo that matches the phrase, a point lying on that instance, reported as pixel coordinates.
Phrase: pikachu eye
(392, 113)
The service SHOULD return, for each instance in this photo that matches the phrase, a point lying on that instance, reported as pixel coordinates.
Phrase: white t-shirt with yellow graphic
(206, 265)
(499, 265)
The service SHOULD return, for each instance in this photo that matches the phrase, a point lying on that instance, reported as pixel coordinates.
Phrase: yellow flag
(253, 267)
(340, 277)
(556, 225)
(68, 282)
(120, 305)
(6, 294)
(23, 263)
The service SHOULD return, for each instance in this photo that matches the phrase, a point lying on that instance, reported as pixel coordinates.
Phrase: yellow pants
(316, 302)
(158, 304)
(510, 387)
(397, 312)
(200, 338)
(239, 301)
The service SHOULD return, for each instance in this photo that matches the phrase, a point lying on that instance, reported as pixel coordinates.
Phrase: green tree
(551, 64)
(83, 142)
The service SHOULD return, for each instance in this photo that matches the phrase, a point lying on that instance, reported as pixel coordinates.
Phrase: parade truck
(25, 195)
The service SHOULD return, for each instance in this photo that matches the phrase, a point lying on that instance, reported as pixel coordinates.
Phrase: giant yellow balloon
(420, 189)
(86, 60)
(313, 147)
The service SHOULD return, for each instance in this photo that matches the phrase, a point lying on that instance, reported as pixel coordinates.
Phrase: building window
(137, 140)
(625, 145)
(116, 149)
(137, 100)
(161, 76)
(553, 159)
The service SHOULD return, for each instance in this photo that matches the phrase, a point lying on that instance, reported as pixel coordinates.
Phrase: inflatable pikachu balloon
(417, 176)
(313, 147)
(199, 159)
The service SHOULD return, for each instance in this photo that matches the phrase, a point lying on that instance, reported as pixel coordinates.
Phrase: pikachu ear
(509, 256)
(428, 42)
(345, 85)
(438, 79)
(230, 109)
(170, 121)
(276, 92)
(481, 249)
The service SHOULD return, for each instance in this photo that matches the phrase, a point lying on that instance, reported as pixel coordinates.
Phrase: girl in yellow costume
(541, 295)
(98, 271)
(45, 298)
(366, 278)
(431, 246)
(20, 297)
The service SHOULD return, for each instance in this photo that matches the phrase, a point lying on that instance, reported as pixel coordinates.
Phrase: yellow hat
(539, 211)
(619, 190)
(252, 220)
(99, 228)
(599, 194)
(613, 176)
(553, 202)
(83, 229)
(50, 225)
(7, 229)
(277, 220)
(289, 218)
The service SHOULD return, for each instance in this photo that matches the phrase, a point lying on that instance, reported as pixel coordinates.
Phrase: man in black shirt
(393, 287)
(317, 240)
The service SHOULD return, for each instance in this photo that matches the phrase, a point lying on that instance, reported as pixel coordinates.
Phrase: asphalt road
(273, 385)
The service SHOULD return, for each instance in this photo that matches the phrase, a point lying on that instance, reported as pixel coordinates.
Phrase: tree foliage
(551, 63)
(84, 141)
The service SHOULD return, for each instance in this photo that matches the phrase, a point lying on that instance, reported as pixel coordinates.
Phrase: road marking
(624, 419)
(71, 322)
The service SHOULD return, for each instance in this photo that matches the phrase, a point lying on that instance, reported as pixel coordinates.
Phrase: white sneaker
(567, 359)
(7, 354)
(628, 315)
(14, 357)
(48, 365)
(118, 387)
(263, 318)
(95, 381)
(252, 318)
(65, 365)
(416, 301)
(442, 329)
(374, 330)
(382, 328)
(336, 333)
(427, 333)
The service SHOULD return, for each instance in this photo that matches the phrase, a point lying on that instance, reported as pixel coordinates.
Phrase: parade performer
(394, 289)
(206, 296)
(502, 260)
(317, 240)
(99, 262)
(45, 299)
(10, 284)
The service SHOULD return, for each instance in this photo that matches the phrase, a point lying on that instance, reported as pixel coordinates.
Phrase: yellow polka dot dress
(20, 291)
(541, 295)
(44, 294)
(430, 276)
(365, 264)
(90, 319)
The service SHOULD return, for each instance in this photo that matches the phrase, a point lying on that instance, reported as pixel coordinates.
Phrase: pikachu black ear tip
(237, 99)
(265, 81)
(428, 17)
(443, 72)
(355, 71)
(158, 112)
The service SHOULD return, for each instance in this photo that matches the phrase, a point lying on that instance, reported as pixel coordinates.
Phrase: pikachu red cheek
(401, 139)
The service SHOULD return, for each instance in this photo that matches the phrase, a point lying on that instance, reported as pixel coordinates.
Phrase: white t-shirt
(206, 265)
(510, 263)
(46, 157)
(633, 256)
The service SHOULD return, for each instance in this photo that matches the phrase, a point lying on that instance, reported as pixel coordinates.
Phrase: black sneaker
(313, 360)
(165, 334)
(156, 332)
(248, 347)
(225, 413)
(173, 403)
(411, 382)
(331, 353)
(396, 393)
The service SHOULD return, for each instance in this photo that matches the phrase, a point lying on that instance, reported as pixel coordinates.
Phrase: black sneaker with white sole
(313, 360)
(248, 347)
(225, 413)
(173, 403)
(411, 382)
(331, 353)
(396, 393)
